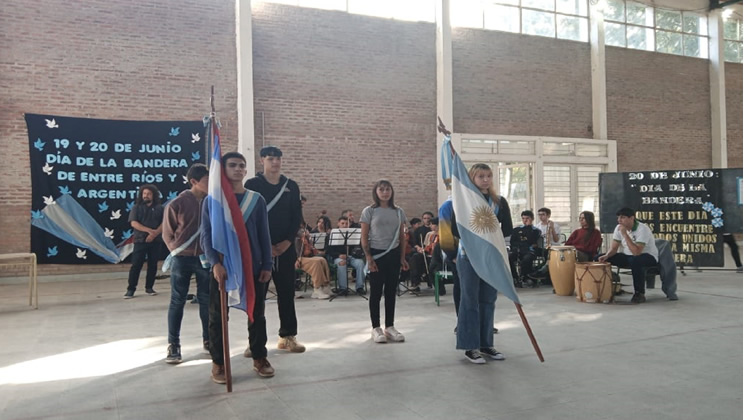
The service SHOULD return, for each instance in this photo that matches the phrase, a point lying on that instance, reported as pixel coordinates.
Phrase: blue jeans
(182, 269)
(476, 311)
(341, 272)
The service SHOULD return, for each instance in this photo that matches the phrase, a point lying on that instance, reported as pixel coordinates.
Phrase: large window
(564, 19)
(733, 40)
(643, 27)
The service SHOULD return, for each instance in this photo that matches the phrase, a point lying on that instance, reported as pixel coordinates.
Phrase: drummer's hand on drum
(602, 258)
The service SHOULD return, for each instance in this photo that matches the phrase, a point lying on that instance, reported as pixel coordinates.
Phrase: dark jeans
(637, 264)
(256, 330)
(283, 276)
(151, 251)
(385, 280)
(182, 269)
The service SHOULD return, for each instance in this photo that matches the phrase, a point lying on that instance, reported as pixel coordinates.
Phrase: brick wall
(658, 110)
(349, 99)
(136, 60)
(733, 84)
(507, 83)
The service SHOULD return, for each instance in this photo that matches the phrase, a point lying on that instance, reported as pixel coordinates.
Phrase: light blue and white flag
(480, 232)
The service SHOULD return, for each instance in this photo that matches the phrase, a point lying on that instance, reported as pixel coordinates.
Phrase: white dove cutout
(48, 200)
(51, 123)
(195, 138)
(116, 214)
(47, 169)
(109, 233)
(81, 254)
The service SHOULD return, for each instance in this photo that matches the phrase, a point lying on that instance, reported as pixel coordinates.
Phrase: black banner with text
(689, 208)
(99, 165)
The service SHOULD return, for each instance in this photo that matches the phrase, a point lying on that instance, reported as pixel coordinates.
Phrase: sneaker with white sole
(492, 353)
(319, 294)
(392, 334)
(378, 336)
(474, 356)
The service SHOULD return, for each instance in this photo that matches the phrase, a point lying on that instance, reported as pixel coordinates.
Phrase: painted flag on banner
(480, 233)
(229, 235)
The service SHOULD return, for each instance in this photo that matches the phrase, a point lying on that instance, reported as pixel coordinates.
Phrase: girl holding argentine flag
(383, 242)
(477, 297)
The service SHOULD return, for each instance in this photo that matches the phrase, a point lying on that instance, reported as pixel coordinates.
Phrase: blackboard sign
(85, 175)
(689, 208)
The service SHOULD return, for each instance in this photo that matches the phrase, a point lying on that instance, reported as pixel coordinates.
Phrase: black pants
(256, 330)
(416, 268)
(525, 258)
(385, 280)
(637, 264)
(283, 276)
(151, 251)
(730, 240)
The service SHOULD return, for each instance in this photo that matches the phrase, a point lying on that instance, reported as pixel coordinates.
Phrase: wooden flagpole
(442, 129)
(223, 296)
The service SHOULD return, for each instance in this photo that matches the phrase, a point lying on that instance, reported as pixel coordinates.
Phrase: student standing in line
(383, 243)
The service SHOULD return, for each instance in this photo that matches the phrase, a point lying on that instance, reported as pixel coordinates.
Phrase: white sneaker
(319, 294)
(327, 290)
(378, 336)
(393, 334)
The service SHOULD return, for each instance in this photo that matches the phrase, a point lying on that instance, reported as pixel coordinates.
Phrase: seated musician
(355, 259)
(524, 247)
(635, 240)
(550, 230)
(586, 240)
(422, 256)
(311, 260)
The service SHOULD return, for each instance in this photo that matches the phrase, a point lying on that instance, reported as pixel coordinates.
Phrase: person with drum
(635, 241)
(586, 240)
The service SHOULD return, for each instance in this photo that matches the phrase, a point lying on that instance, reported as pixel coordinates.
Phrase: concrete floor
(88, 354)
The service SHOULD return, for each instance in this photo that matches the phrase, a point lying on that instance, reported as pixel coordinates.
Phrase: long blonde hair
(484, 167)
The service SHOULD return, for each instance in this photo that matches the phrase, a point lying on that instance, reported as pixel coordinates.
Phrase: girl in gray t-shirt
(383, 243)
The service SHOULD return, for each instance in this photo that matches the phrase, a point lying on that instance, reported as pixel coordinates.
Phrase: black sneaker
(638, 298)
(361, 291)
(492, 353)
(342, 292)
(130, 294)
(474, 356)
(174, 354)
(151, 292)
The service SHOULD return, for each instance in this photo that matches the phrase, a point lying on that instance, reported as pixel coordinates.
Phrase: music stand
(318, 240)
(346, 237)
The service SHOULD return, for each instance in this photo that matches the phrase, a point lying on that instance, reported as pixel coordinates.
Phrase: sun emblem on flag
(483, 220)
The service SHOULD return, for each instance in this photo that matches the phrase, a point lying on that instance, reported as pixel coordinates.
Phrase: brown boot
(290, 343)
(263, 368)
(218, 373)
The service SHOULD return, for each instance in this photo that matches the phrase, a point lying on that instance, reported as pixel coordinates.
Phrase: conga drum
(561, 260)
(593, 281)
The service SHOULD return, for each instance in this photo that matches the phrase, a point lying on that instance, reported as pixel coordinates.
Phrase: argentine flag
(480, 232)
(229, 235)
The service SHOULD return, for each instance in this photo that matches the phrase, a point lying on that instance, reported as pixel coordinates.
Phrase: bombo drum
(561, 260)
(593, 282)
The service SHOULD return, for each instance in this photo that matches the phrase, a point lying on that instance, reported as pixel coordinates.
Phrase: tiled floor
(88, 354)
